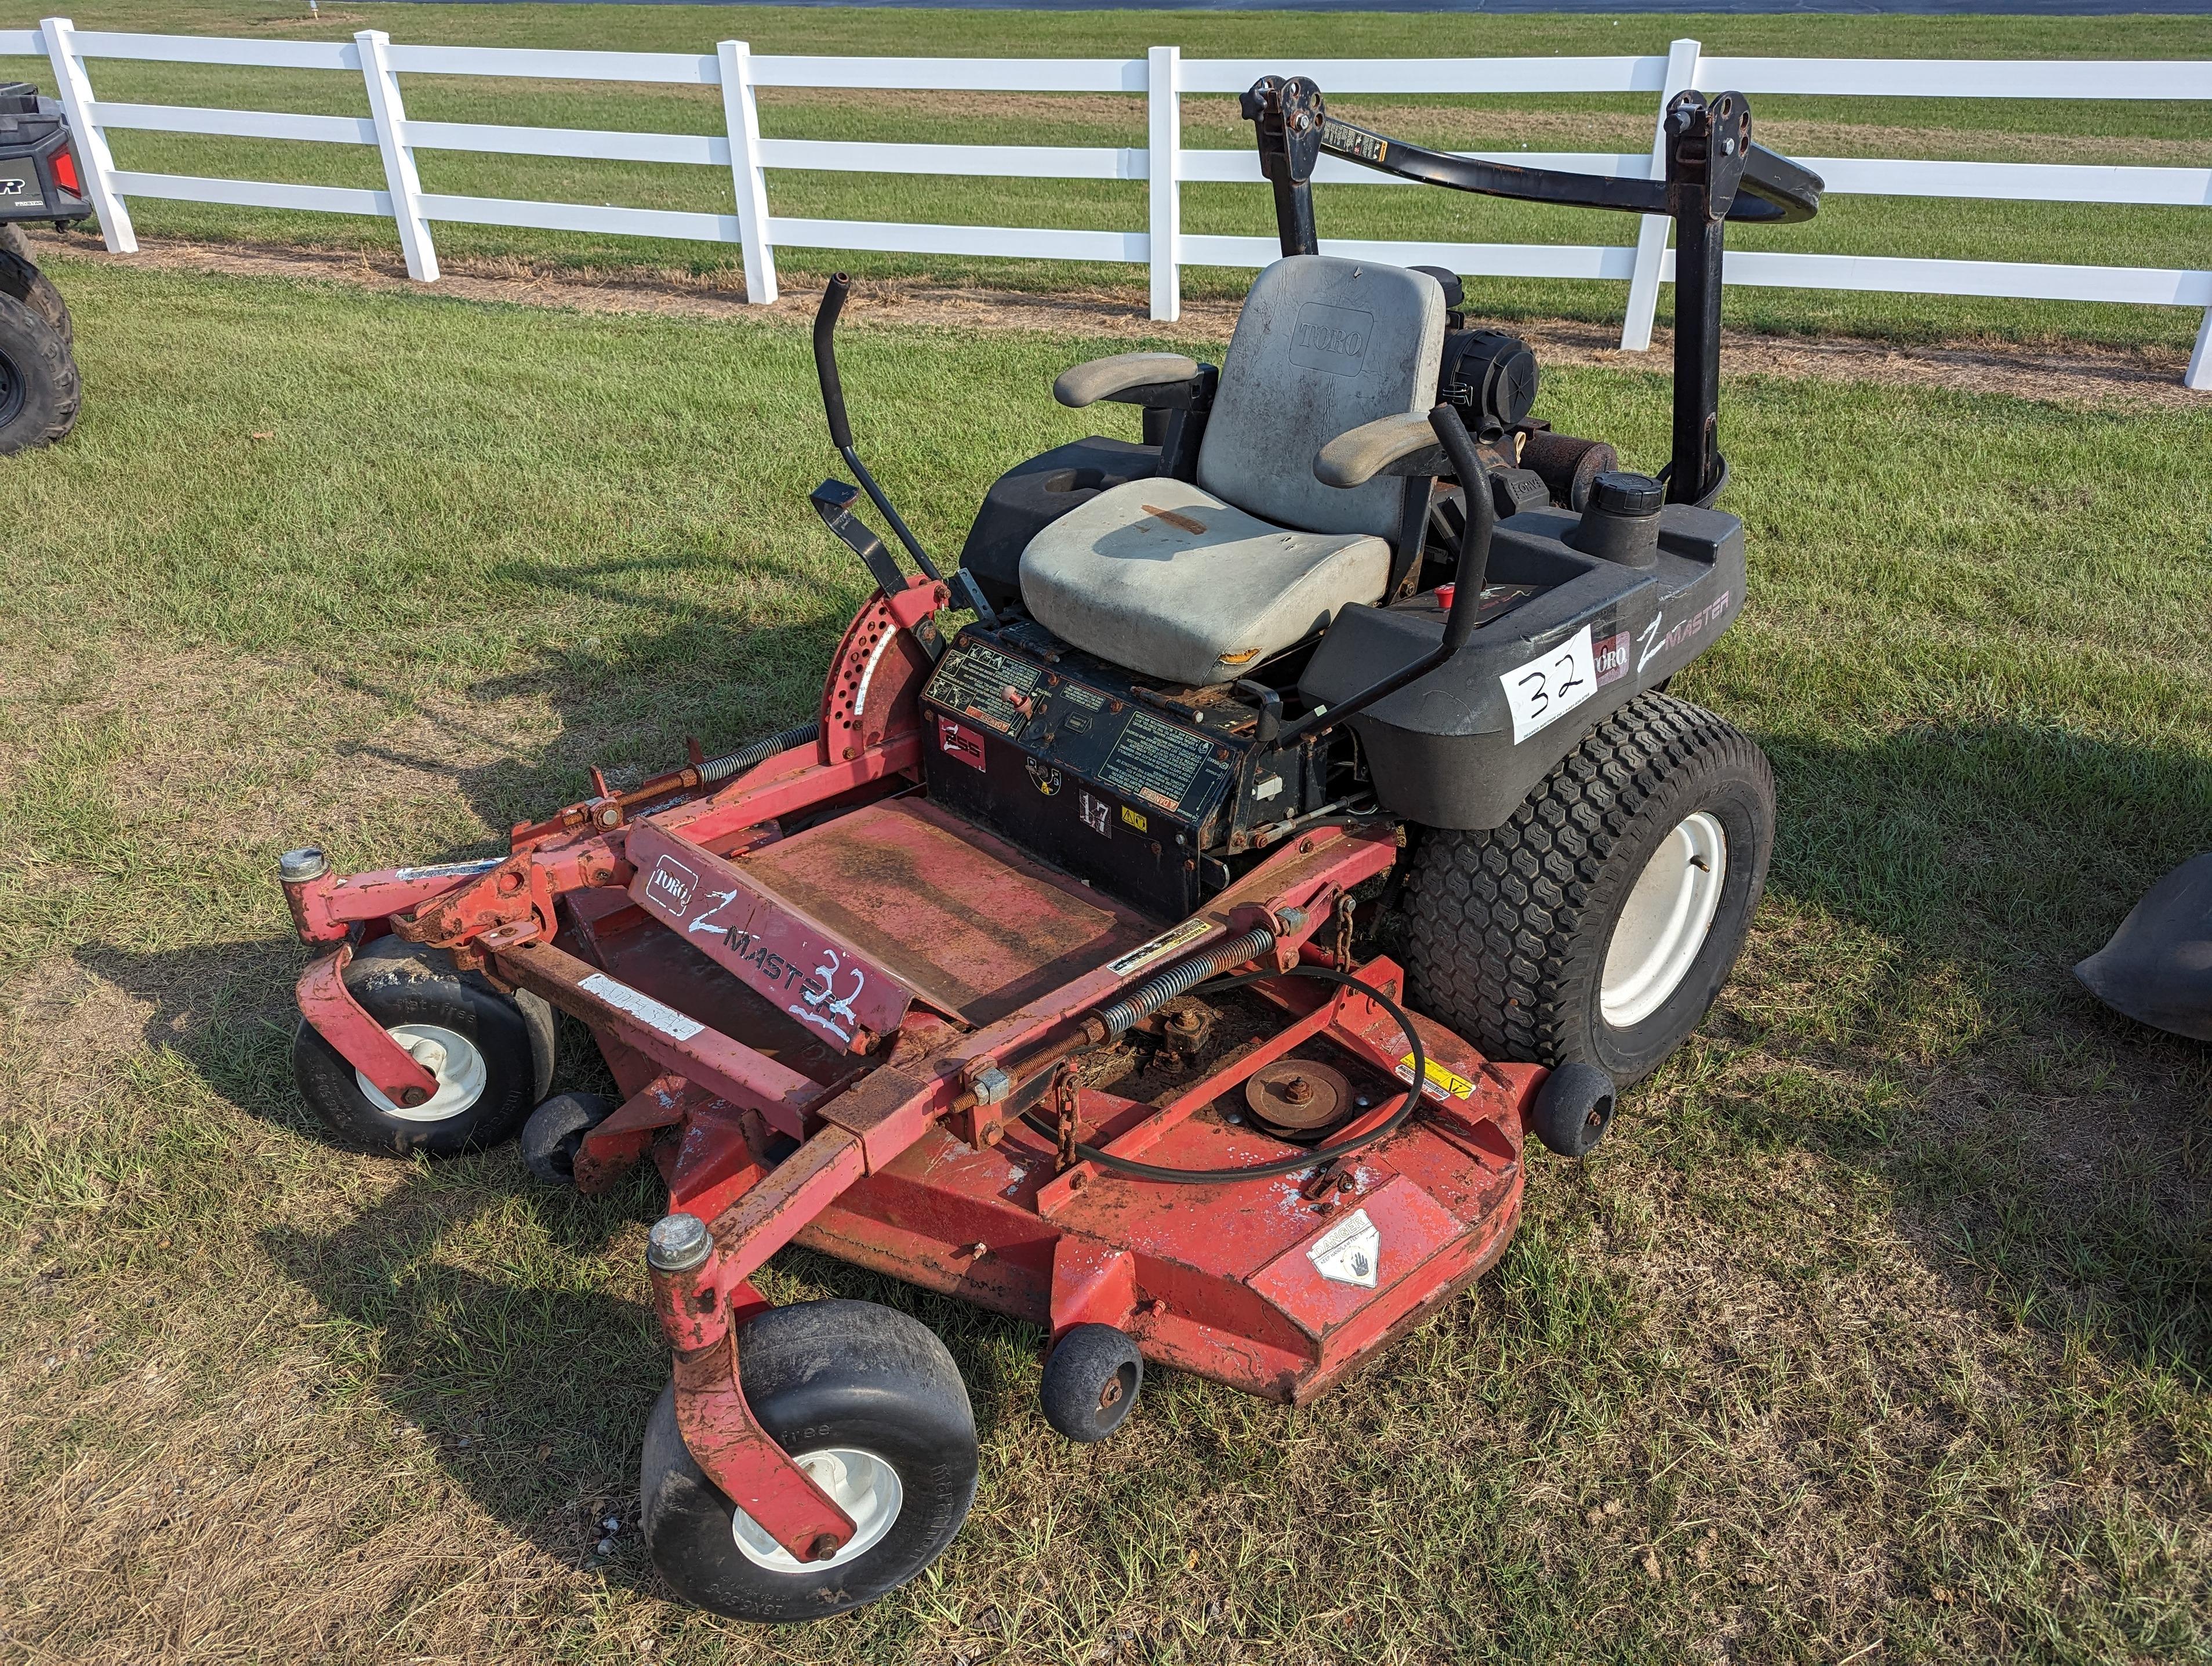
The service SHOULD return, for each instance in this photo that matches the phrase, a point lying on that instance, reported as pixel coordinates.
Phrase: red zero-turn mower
(1033, 971)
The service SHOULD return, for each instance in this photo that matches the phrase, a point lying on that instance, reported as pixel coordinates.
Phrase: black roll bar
(1714, 173)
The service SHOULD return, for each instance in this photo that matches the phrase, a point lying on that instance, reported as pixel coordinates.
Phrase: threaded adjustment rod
(1149, 996)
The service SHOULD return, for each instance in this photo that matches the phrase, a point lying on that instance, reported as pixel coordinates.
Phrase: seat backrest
(1322, 345)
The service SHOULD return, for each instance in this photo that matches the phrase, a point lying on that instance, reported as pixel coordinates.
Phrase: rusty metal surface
(362, 1042)
(734, 915)
(737, 1455)
(1297, 1095)
(869, 694)
(676, 1040)
(955, 914)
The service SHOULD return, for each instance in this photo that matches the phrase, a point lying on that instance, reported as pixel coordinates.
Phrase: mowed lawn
(2098, 131)
(1877, 1330)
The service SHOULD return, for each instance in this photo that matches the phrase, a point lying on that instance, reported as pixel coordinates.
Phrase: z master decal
(673, 883)
(1651, 644)
(824, 1006)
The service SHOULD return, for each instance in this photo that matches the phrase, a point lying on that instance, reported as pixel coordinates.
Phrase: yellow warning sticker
(1166, 943)
(1135, 819)
(1440, 1081)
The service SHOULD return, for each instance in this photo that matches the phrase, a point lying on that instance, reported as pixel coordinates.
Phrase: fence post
(1163, 108)
(1651, 235)
(741, 117)
(92, 150)
(389, 112)
(2199, 374)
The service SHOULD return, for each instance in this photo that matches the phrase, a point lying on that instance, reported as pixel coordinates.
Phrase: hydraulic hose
(1319, 1155)
(760, 751)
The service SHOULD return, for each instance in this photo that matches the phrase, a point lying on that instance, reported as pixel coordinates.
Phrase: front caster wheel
(482, 1046)
(870, 1404)
(1090, 1381)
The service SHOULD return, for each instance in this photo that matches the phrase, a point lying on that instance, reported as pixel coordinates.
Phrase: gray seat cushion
(1323, 346)
(1164, 579)
(1197, 584)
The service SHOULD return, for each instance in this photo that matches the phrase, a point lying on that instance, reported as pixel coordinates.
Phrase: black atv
(39, 180)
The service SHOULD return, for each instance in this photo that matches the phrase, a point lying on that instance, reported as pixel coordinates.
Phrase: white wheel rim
(454, 1060)
(1664, 923)
(862, 1485)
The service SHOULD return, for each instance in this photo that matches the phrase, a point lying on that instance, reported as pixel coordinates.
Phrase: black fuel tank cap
(1625, 494)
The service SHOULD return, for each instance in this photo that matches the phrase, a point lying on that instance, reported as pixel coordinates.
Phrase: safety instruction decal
(1441, 1082)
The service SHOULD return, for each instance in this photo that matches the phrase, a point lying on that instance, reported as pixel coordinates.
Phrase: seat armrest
(1404, 445)
(1125, 374)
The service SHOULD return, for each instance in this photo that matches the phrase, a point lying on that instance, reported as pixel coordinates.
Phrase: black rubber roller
(1090, 1381)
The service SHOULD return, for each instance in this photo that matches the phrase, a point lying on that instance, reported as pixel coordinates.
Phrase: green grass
(2155, 133)
(1878, 1329)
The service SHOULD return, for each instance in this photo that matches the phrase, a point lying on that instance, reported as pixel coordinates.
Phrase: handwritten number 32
(1537, 685)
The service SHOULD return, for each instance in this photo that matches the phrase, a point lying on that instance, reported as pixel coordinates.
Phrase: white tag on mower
(1549, 686)
(1350, 1252)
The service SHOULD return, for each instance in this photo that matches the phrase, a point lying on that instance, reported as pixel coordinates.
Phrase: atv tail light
(65, 173)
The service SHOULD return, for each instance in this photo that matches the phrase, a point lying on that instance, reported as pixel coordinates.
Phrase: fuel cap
(1625, 493)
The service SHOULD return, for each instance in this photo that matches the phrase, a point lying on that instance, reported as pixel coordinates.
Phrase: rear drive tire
(20, 277)
(1598, 924)
(478, 1046)
(39, 387)
(870, 1403)
(12, 240)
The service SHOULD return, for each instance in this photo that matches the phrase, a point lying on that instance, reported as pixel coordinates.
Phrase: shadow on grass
(496, 1333)
(2058, 1151)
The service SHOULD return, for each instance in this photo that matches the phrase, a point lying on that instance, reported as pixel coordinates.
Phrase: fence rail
(1161, 78)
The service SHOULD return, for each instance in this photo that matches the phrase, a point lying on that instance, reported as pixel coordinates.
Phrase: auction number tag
(1550, 685)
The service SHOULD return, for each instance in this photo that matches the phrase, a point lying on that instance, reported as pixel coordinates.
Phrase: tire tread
(1492, 917)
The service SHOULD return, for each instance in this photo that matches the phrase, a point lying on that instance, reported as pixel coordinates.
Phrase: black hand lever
(963, 587)
(1474, 476)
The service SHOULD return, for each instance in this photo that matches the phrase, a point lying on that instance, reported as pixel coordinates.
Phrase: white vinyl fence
(1160, 78)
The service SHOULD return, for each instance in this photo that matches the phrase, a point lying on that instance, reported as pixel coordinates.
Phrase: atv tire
(38, 386)
(1662, 817)
(20, 277)
(12, 241)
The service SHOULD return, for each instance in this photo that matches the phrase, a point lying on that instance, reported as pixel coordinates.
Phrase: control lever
(834, 501)
(838, 516)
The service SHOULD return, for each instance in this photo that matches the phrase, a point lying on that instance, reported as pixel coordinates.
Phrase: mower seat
(1195, 584)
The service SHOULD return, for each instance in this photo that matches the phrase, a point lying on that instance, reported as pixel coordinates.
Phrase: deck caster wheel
(555, 1131)
(475, 1041)
(1573, 1108)
(1599, 922)
(1090, 1381)
(870, 1404)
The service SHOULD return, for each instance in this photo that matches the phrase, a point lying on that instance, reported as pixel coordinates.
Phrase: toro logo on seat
(1331, 339)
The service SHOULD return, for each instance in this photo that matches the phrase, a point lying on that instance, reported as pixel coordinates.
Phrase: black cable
(1319, 1155)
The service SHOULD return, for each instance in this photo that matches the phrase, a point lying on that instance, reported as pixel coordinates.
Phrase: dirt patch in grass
(2080, 376)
